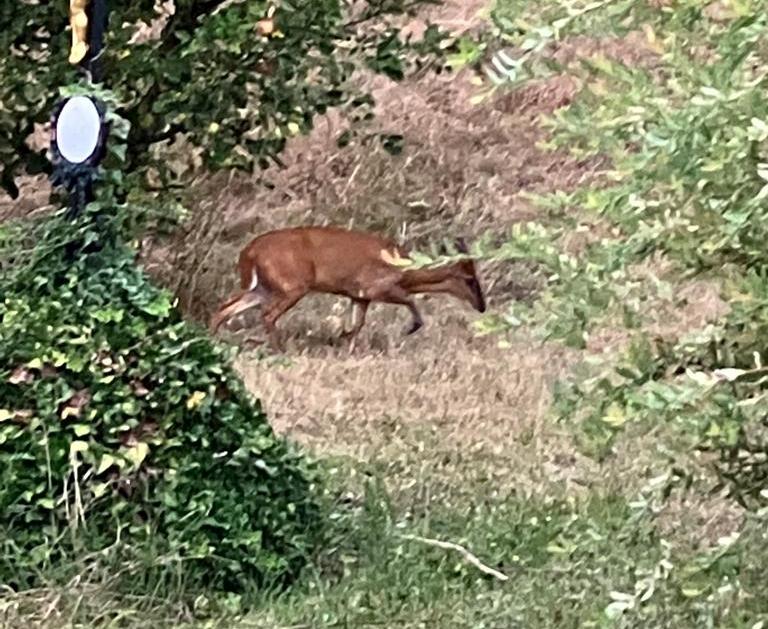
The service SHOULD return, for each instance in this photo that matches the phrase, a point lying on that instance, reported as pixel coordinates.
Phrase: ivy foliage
(124, 434)
(233, 79)
(687, 139)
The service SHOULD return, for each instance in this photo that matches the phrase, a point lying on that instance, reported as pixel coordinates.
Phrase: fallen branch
(462, 551)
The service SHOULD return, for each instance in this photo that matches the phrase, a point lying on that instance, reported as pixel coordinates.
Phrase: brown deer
(280, 267)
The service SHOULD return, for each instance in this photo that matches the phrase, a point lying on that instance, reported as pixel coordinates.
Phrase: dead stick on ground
(462, 551)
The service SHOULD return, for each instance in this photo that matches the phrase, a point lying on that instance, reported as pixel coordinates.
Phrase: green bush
(124, 434)
(687, 138)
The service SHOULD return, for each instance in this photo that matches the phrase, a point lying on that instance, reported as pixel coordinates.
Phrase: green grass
(570, 563)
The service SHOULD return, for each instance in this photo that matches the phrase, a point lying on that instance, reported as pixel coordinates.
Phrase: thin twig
(462, 551)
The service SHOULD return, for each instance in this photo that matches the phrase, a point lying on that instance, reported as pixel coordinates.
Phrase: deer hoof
(414, 327)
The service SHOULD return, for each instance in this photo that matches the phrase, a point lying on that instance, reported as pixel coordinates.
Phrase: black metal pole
(93, 63)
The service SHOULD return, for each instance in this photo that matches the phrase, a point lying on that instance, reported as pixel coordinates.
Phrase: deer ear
(461, 245)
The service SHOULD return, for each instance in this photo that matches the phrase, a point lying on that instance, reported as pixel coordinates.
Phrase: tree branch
(462, 551)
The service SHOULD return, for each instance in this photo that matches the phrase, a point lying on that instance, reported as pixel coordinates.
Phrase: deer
(278, 268)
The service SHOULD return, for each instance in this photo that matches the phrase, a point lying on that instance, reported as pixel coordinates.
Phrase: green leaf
(107, 461)
(137, 453)
(81, 429)
(159, 307)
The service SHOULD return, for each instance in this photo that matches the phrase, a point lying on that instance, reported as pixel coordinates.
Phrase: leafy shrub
(687, 137)
(124, 434)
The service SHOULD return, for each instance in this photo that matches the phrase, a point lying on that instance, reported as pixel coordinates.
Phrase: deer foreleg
(398, 295)
(359, 310)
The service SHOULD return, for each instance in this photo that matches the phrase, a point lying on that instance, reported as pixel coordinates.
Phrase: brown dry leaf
(23, 416)
(76, 403)
(48, 371)
(139, 390)
(153, 31)
(21, 375)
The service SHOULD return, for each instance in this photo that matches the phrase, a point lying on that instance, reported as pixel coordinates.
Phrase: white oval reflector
(77, 129)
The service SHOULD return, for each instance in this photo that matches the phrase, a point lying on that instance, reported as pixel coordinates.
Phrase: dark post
(98, 15)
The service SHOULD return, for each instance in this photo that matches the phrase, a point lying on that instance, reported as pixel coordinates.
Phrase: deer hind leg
(277, 307)
(239, 303)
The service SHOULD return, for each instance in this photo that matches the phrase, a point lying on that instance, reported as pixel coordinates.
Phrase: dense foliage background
(687, 138)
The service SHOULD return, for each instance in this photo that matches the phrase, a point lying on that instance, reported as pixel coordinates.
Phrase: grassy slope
(457, 427)
(448, 436)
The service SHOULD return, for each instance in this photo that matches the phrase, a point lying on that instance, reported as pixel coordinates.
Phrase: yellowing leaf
(195, 399)
(293, 128)
(478, 98)
(70, 411)
(615, 416)
(98, 489)
(713, 430)
(78, 446)
(649, 34)
(137, 453)
(106, 462)
(5, 414)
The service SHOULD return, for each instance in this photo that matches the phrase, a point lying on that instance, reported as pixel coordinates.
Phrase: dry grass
(461, 407)
(444, 400)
